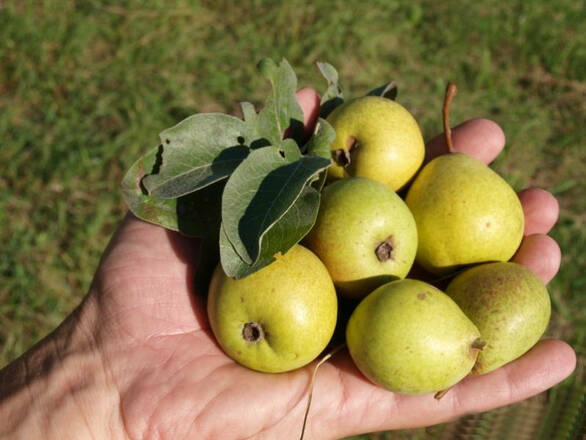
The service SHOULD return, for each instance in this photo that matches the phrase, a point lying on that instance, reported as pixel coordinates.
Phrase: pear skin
(465, 214)
(376, 138)
(277, 319)
(411, 338)
(510, 306)
(364, 234)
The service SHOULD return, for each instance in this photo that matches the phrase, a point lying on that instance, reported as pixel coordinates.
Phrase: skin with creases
(510, 306)
(292, 304)
(382, 139)
(356, 216)
(411, 338)
(465, 213)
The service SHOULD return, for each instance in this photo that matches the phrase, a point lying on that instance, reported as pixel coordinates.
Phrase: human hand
(146, 342)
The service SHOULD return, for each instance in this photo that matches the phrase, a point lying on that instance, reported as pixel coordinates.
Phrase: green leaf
(287, 232)
(319, 145)
(281, 111)
(197, 152)
(248, 112)
(259, 193)
(192, 215)
(388, 90)
(332, 97)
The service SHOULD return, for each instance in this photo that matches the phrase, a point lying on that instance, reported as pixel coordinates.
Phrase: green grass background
(85, 87)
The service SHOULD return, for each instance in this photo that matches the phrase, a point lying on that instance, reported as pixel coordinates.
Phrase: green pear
(510, 306)
(465, 212)
(364, 234)
(277, 319)
(376, 138)
(411, 338)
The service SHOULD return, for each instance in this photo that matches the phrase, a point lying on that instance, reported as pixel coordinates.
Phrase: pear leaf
(193, 215)
(333, 96)
(281, 110)
(388, 90)
(319, 145)
(197, 152)
(248, 112)
(284, 234)
(259, 192)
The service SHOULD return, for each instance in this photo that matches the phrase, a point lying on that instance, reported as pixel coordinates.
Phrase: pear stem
(451, 91)
(325, 358)
(442, 393)
(478, 344)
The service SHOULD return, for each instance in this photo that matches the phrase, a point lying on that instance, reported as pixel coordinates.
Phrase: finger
(545, 365)
(482, 139)
(309, 101)
(541, 254)
(541, 210)
(367, 407)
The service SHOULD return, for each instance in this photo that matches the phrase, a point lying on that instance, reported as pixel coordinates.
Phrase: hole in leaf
(282, 152)
(240, 140)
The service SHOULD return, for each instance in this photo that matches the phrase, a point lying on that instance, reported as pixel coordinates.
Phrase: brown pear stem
(325, 358)
(451, 91)
(478, 344)
(442, 393)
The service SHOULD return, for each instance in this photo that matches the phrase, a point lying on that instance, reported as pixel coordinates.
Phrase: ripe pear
(277, 319)
(510, 306)
(465, 212)
(364, 234)
(411, 338)
(376, 138)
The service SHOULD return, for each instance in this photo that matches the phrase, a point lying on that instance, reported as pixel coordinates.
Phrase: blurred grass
(85, 86)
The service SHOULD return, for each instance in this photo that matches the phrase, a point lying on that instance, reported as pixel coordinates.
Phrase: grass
(86, 86)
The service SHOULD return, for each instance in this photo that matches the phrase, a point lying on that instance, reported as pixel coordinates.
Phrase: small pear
(465, 212)
(376, 138)
(411, 338)
(364, 234)
(277, 319)
(510, 306)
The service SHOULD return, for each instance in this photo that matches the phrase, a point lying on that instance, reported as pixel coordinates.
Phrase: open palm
(175, 382)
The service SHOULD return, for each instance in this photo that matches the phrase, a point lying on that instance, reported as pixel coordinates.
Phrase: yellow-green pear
(277, 319)
(376, 138)
(364, 234)
(510, 306)
(411, 338)
(465, 213)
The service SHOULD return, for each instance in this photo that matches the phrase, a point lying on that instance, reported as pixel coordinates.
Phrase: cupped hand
(174, 381)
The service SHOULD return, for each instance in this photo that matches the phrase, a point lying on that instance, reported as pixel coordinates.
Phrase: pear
(277, 319)
(376, 138)
(364, 234)
(465, 212)
(510, 306)
(411, 338)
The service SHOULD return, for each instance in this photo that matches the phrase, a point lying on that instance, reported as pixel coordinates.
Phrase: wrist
(61, 388)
